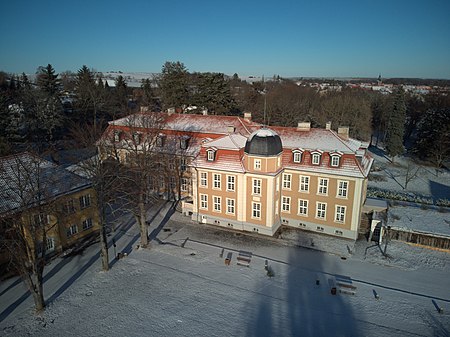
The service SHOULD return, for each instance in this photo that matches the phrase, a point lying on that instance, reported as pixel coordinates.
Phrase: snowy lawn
(169, 290)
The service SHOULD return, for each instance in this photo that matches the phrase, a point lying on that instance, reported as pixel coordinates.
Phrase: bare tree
(27, 214)
(412, 171)
(139, 141)
(104, 174)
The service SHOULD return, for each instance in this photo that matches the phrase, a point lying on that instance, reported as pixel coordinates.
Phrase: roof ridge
(340, 139)
(242, 123)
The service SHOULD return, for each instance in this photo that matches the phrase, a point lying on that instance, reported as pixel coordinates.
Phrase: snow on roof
(229, 142)
(209, 124)
(26, 179)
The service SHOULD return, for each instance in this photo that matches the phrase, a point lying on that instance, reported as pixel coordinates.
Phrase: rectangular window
(323, 186)
(230, 206)
(342, 189)
(256, 210)
(171, 165)
(217, 203)
(256, 187)
(287, 178)
(340, 214)
(316, 159)
(72, 230)
(302, 207)
(184, 184)
(304, 184)
(286, 204)
(136, 138)
(335, 161)
(321, 211)
(210, 156)
(257, 164)
(173, 183)
(183, 164)
(216, 181)
(87, 223)
(85, 201)
(160, 140)
(297, 157)
(204, 179)
(231, 183)
(68, 207)
(40, 219)
(203, 201)
(116, 136)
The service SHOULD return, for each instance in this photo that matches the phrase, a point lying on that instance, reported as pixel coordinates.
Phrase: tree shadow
(439, 191)
(163, 222)
(299, 301)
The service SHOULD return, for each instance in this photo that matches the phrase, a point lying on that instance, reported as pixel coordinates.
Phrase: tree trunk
(142, 222)
(38, 296)
(104, 245)
(34, 283)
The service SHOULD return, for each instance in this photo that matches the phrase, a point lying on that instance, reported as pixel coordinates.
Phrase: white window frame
(297, 156)
(231, 183)
(203, 201)
(184, 184)
(340, 213)
(332, 161)
(217, 181)
(231, 205)
(315, 158)
(287, 181)
(210, 155)
(203, 179)
(85, 201)
(304, 184)
(285, 204)
(256, 210)
(322, 186)
(321, 210)
(303, 207)
(183, 164)
(172, 183)
(342, 189)
(256, 186)
(257, 164)
(72, 230)
(217, 204)
(136, 137)
(87, 224)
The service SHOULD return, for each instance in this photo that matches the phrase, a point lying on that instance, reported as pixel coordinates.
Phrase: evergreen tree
(396, 125)
(148, 95)
(214, 93)
(47, 80)
(173, 85)
(433, 139)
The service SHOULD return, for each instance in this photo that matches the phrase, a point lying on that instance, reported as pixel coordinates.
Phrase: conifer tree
(396, 125)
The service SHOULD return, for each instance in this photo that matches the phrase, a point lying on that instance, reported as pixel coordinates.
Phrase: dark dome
(264, 142)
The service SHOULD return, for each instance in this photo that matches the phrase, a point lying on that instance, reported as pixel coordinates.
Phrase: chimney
(248, 116)
(170, 111)
(144, 108)
(328, 126)
(231, 129)
(204, 111)
(304, 126)
(343, 132)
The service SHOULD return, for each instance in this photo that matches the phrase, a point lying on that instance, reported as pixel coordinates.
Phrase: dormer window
(137, 138)
(297, 156)
(116, 136)
(335, 159)
(316, 157)
(184, 142)
(160, 140)
(211, 154)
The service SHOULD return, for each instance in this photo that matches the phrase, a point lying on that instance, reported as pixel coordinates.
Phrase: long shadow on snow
(293, 305)
(163, 222)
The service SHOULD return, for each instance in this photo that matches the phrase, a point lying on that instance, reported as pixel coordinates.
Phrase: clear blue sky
(333, 38)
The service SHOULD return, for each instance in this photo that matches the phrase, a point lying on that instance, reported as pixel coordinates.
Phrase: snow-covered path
(173, 291)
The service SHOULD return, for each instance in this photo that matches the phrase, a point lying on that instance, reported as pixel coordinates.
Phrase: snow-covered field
(171, 290)
(427, 183)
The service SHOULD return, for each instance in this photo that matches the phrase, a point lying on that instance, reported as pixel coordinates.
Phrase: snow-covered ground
(181, 287)
(427, 182)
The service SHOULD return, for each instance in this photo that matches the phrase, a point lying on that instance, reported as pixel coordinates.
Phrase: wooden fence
(426, 239)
